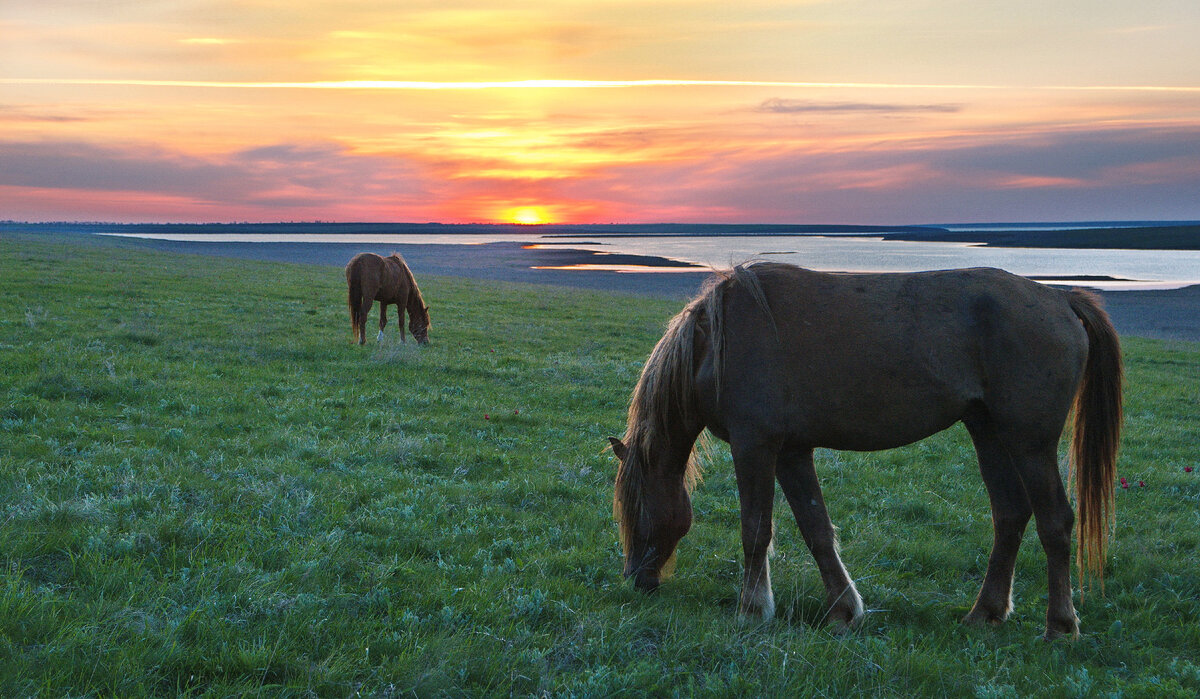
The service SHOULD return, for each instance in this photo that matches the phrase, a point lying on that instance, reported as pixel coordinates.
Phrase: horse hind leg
(1011, 511)
(364, 309)
(755, 469)
(1038, 467)
(798, 479)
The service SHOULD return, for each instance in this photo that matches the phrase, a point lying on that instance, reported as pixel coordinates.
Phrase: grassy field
(205, 489)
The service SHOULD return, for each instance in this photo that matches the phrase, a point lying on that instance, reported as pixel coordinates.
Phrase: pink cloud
(653, 174)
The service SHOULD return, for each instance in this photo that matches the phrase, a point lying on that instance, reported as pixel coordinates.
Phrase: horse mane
(416, 302)
(664, 399)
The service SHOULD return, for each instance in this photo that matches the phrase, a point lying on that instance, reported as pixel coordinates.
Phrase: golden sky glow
(866, 111)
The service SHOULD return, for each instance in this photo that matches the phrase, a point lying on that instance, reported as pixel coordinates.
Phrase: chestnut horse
(387, 280)
(777, 360)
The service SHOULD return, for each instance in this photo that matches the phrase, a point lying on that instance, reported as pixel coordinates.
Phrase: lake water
(1137, 269)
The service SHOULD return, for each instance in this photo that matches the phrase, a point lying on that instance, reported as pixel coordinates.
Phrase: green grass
(205, 489)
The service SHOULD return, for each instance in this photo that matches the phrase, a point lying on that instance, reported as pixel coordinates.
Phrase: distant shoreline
(1179, 237)
(1161, 314)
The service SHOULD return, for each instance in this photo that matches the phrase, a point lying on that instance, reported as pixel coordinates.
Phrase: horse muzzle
(644, 574)
(646, 582)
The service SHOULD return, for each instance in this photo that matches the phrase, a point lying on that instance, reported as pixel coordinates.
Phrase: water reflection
(1128, 269)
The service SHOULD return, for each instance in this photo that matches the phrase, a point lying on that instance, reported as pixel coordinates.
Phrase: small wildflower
(1124, 483)
(1188, 469)
(1141, 484)
(516, 411)
(487, 417)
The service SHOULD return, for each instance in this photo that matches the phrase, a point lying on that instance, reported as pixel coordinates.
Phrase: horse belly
(881, 427)
(839, 404)
(878, 411)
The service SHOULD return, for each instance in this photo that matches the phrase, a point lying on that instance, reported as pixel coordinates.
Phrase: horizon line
(1129, 223)
(569, 84)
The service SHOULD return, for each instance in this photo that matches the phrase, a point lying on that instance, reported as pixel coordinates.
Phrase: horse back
(872, 361)
(381, 277)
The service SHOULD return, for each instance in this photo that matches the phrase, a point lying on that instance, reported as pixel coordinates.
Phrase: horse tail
(1097, 432)
(354, 297)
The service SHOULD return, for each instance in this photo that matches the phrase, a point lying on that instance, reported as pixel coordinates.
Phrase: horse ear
(618, 448)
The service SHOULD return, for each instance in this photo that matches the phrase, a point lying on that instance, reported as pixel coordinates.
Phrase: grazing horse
(777, 360)
(387, 280)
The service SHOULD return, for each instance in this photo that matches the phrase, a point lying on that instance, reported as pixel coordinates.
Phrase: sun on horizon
(528, 215)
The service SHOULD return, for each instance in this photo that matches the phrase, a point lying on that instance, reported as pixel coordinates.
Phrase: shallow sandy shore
(1168, 315)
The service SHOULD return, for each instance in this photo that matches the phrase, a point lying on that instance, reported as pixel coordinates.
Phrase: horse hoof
(760, 608)
(841, 624)
(1069, 632)
(755, 616)
(845, 611)
(838, 627)
(981, 618)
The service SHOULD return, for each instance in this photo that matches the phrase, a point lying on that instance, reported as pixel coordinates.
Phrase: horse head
(419, 324)
(654, 511)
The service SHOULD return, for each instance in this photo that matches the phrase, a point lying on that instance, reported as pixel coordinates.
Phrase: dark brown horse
(777, 360)
(387, 280)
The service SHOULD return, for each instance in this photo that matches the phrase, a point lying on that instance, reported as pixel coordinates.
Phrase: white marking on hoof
(379, 338)
(760, 598)
(858, 605)
(759, 607)
(849, 598)
(766, 602)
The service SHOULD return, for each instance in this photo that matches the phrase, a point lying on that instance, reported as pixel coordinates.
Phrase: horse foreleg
(755, 469)
(1052, 510)
(401, 307)
(1010, 515)
(798, 479)
(382, 320)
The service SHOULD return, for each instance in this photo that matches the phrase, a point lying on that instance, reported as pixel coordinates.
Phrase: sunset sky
(838, 111)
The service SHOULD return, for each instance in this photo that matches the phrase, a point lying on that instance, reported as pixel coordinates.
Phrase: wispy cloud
(778, 105)
(209, 41)
(571, 84)
(18, 114)
(283, 175)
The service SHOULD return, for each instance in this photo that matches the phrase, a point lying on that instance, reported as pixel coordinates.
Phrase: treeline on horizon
(1120, 235)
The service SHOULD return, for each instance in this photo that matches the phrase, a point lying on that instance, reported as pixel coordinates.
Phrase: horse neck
(664, 418)
(416, 303)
